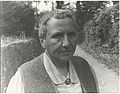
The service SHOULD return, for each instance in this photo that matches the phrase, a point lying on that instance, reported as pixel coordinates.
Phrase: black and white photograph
(59, 46)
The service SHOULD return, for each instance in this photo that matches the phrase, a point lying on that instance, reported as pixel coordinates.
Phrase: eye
(57, 36)
(72, 34)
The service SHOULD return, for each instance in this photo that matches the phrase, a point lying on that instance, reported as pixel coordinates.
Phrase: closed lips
(65, 51)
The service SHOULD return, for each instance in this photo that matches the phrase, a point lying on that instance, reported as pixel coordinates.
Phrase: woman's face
(61, 37)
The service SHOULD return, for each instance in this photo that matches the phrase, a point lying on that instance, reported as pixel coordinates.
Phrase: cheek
(73, 42)
(53, 46)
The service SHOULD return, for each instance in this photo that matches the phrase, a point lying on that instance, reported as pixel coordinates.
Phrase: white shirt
(16, 84)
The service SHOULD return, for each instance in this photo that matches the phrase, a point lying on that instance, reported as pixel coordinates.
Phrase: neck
(60, 63)
(62, 66)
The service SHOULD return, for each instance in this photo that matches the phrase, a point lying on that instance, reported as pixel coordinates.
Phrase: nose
(65, 41)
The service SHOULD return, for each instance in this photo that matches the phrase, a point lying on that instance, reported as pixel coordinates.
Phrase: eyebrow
(56, 33)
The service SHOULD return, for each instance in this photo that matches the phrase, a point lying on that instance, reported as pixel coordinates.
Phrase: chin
(65, 58)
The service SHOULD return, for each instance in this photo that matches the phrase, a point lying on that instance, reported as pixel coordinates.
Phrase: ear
(42, 41)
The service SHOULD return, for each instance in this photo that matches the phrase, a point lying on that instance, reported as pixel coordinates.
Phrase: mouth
(65, 52)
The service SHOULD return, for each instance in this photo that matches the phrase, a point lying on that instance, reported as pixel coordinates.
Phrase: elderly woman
(56, 70)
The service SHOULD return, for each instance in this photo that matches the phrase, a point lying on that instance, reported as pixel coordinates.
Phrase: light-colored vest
(36, 79)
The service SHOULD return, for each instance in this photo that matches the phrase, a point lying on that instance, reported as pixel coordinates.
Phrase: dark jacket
(36, 79)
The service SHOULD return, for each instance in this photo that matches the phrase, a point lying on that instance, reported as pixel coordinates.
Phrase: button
(68, 81)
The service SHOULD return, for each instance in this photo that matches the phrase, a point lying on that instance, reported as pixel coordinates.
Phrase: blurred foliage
(86, 10)
(102, 36)
(103, 29)
(17, 18)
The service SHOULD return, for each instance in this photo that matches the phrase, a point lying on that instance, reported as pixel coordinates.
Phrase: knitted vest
(36, 79)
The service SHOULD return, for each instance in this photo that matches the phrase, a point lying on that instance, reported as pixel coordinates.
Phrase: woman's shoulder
(80, 59)
(33, 62)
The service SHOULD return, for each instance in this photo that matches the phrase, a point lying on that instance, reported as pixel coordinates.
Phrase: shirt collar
(54, 74)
